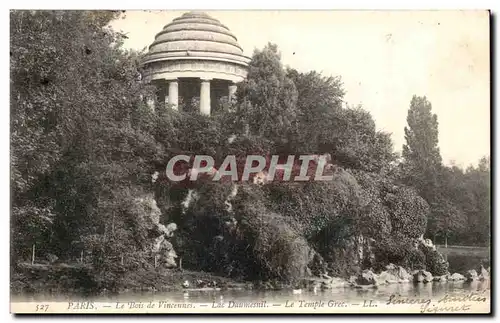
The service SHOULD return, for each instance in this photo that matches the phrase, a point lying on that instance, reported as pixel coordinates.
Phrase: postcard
(321, 162)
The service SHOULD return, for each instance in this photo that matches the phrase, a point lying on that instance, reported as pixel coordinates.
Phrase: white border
(208, 5)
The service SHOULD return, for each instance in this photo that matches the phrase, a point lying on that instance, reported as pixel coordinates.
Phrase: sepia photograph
(256, 162)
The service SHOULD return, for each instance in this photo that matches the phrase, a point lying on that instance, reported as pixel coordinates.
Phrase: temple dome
(195, 36)
(195, 56)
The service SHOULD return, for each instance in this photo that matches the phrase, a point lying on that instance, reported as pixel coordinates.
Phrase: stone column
(165, 98)
(173, 94)
(205, 97)
(162, 96)
(232, 91)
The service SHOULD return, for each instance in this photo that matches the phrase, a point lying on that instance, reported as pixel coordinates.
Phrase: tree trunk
(33, 255)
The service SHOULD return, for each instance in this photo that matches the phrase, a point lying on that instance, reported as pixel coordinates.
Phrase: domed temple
(195, 57)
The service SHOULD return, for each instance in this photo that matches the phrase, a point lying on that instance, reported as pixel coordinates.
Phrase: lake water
(436, 297)
(279, 298)
(382, 293)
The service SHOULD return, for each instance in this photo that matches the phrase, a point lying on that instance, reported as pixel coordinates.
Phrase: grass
(464, 251)
(75, 279)
(172, 279)
(464, 258)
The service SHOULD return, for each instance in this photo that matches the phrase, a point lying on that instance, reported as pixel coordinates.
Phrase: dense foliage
(84, 145)
(76, 158)
(459, 199)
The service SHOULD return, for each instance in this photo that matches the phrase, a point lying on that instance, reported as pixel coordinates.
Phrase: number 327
(42, 308)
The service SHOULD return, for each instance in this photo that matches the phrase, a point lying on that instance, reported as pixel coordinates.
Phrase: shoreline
(172, 280)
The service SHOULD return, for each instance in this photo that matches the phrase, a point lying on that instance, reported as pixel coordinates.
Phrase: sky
(383, 58)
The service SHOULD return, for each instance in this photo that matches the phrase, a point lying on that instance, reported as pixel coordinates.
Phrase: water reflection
(382, 293)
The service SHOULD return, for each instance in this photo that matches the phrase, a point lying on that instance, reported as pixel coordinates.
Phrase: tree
(325, 126)
(478, 181)
(422, 162)
(319, 100)
(317, 94)
(450, 206)
(76, 130)
(268, 97)
(85, 145)
(358, 144)
(422, 158)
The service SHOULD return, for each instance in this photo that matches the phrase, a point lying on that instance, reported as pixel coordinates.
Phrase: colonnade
(205, 100)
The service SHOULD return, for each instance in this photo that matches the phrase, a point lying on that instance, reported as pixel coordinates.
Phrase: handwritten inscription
(439, 309)
(471, 297)
(447, 303)
(398, 300)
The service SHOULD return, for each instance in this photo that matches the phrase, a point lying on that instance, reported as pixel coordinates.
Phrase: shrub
(434, 261)
(279, 250)
(313, 205)
(398, 250)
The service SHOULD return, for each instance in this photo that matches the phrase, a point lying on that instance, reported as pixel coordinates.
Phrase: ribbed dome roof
(196, 35)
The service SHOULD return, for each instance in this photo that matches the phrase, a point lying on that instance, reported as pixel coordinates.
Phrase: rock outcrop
(484, 274)
(422, 276)
(388, 278)
(316, 284)
(456, 277)
(367, 277)
(441, 279)
(435, 262)
(394, 274)
(159, 245)
(471, 275)
(168, 255)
